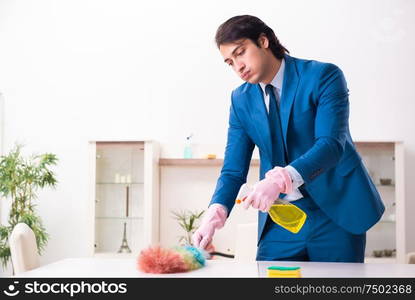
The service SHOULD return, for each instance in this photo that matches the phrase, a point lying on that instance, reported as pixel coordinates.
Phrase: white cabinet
(385, 241)
(124, 197)
(188, 184)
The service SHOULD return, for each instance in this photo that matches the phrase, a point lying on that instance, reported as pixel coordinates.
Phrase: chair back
(23, 249)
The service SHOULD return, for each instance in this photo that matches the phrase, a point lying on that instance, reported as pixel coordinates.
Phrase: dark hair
(248, 27)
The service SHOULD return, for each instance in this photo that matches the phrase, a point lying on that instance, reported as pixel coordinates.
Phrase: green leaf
(187, 221)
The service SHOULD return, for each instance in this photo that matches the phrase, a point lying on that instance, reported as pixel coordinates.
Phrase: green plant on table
(188, 221)
(20, 179)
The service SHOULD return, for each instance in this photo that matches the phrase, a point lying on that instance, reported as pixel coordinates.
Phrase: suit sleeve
(238, 154)
(331, 125)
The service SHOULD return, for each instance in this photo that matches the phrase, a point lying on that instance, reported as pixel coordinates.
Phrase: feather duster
(173, 260)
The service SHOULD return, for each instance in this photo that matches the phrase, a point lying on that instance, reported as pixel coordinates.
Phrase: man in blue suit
(296, 112)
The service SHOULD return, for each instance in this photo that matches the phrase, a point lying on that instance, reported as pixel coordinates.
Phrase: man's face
(247, 59)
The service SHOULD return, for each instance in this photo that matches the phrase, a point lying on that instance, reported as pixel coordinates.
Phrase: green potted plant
(188, 221)
(20, 179)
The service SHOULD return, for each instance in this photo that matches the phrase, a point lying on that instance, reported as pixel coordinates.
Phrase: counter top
(126, 267)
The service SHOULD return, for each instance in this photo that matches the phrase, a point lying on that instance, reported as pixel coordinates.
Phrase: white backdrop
(74, 71)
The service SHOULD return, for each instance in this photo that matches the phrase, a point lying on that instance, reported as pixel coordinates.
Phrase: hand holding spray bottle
(282, 212)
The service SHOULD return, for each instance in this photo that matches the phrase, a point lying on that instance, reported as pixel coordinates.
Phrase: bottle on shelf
(188, 153)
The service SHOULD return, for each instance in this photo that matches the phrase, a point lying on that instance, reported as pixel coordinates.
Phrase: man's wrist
(296, 178)
(282, 178)
(217, 214)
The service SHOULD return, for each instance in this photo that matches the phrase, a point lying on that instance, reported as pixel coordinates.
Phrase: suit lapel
(289, 89)
(258, 110)
(260, 118)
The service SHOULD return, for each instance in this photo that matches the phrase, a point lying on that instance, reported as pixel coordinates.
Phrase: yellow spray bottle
(282, 212)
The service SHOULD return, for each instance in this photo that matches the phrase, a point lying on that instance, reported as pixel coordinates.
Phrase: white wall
(74, 71)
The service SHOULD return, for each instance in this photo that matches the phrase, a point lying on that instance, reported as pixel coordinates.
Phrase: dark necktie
(278, 150)
(277, 141)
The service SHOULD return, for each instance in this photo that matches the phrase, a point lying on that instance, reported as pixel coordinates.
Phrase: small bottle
(188, 153)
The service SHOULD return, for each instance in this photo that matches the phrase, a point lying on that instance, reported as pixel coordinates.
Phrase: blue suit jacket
(314, 114)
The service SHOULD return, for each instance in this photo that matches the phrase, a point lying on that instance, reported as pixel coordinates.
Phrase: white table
(126, 267)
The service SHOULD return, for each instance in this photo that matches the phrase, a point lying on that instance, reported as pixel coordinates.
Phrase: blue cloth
(318, 240)
(314, 112)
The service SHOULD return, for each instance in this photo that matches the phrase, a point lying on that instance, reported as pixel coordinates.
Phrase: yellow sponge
(284, 272)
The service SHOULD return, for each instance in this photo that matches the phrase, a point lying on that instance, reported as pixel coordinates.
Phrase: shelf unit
(197, 162)
(382, 159)
(385, 159)
(124, 197)
(188, 184)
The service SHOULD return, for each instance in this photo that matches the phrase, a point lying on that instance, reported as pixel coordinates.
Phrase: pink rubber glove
(266, 191)
(214, 218)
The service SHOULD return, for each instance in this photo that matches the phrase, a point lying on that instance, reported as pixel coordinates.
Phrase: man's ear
(263, 41)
